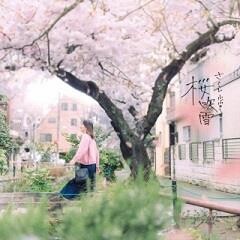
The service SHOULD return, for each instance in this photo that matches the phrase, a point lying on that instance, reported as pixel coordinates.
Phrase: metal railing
(211, 206)
(208, 151)
(231, 148)
(182, 151)
(194, 151)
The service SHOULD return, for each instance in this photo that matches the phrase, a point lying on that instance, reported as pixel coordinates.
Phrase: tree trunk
(140, 161)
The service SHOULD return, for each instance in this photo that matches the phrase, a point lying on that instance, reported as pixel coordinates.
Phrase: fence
(14, 173)
(211, 206)
(211, 203)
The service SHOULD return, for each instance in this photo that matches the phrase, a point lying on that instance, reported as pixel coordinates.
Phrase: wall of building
(162, 143)
(62, 120)
(204, 170)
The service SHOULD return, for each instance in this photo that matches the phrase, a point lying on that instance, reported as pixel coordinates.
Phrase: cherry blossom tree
(121, 53)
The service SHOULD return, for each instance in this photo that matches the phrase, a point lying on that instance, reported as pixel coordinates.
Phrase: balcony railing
(182, 151)
(231, 148)
(194, 151)
(208, 151)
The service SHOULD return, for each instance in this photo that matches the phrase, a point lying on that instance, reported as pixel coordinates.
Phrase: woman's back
(88, 151)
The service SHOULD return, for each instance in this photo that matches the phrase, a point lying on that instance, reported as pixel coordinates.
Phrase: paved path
(202, 193)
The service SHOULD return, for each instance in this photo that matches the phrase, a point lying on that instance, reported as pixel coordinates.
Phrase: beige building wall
(161, 143)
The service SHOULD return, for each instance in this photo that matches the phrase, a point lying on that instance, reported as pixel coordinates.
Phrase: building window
(173, 134)
(74, 107)
(172, 100)
(45, 137)
(73, 122)
(231, 148)
(52, 120)
(194, 151)
(187, 134)
(64, 106)
(208, 151)
(166, 156)
(182, 151)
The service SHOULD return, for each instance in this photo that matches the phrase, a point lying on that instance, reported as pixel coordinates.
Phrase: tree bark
(140, 160)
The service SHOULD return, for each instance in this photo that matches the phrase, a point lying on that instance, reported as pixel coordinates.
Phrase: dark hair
(89, 127)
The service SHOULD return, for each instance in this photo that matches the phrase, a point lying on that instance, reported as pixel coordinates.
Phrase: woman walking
(87, 155)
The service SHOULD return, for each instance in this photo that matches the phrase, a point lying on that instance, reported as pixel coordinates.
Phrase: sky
(46, 91)
(40, 90)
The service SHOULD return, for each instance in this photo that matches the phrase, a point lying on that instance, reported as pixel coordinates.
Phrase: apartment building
(62, 120)
(198, 131)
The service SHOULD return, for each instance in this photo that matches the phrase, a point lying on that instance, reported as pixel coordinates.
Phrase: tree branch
(119, 101)
(134, 10)
(169, 34)
(168, 72)
(208, 12)
(71, 48)
(115, 72)
(132, 110)
(5, 35)
(48, 51)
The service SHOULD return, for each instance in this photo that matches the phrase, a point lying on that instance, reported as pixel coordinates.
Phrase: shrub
(133, 210)
(110, 161)
(130, 210)
(38, 180)
(101, 136)
(3, 162)
(5, 139)
(32, 224)
(32, 181)
(74, 141)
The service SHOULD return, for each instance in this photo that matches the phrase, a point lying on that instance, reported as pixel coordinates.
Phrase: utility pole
(174, 191)
(33, 136)
(172, 144)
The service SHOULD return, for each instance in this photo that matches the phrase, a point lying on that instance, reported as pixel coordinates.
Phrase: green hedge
(130, 210)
